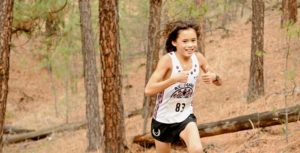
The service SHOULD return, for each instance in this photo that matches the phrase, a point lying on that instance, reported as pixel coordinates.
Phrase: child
(174, 81)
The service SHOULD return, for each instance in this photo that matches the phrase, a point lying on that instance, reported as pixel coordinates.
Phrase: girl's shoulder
(165, 60)
(200, 58)
(166, 57)
(199, 55)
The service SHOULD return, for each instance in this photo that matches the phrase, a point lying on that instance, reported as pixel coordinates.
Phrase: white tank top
(174, 104)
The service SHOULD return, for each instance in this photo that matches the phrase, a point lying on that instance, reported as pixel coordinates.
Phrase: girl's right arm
(157, 81)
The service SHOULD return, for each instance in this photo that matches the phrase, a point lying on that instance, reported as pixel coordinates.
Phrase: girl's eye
(184, 41)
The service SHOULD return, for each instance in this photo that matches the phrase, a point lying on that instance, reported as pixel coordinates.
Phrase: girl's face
(186, 42)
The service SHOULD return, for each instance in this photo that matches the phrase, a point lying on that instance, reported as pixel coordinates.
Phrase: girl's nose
(190, 44)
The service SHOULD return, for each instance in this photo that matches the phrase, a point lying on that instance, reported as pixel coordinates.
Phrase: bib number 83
(179, 107)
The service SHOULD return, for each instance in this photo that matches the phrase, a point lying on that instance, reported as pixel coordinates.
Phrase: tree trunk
(256, 80)
(6, 18)
(289, 12)
(256, 120)
(201, 39)
(152, 53)
(226, 15)
(111, 81)
(90, 77)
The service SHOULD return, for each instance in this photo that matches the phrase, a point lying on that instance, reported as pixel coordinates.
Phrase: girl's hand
(209, 77)
(181, 77)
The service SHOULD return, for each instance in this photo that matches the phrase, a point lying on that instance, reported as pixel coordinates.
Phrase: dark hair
(172, 31)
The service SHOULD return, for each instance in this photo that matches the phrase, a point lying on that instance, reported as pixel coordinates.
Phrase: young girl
(174, 82)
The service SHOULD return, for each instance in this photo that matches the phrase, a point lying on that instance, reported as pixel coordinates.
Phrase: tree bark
(201, 39)
(6, 18)
(256, 120)
(256, 80)
(90, 77)
(289, 12)
(111, 81)
(152, 53)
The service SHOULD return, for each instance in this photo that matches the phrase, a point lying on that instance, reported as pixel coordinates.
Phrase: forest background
(46, 83)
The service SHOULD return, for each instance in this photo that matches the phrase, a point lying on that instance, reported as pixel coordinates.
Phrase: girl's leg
(162, 147)
(191, 137)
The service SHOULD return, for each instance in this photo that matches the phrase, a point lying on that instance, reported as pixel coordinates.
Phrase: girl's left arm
(209, 75)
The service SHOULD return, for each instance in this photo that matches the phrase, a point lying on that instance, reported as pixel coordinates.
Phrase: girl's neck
(182, 58)
(185, 62)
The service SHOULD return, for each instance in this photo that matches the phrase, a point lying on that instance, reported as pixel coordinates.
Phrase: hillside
(31, 104)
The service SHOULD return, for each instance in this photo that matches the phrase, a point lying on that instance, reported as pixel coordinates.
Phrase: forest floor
(31, 104)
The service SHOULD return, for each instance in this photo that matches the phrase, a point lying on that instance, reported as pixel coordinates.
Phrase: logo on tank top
(156, 133)
(183, 91)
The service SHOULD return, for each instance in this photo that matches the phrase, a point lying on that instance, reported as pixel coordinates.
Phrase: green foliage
(133, 26)
(217, 13)
(284, 128)
(34, 11)
(226, 5)
(181, 9)
(24, 11)
(290, 74)
(293, 30)
(9, 115)
(68, 44)
(260, 53)
(55, 50)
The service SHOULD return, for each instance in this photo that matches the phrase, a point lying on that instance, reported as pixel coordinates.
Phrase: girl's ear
(174, 43)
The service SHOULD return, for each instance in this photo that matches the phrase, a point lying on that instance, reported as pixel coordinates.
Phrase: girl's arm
(209, 76)
(159, 80)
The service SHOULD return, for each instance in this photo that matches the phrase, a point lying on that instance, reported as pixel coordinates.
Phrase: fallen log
(36, 135)
(256, 120)
(8, 129)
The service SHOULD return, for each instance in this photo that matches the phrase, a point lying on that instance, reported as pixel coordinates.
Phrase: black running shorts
(169, 132)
